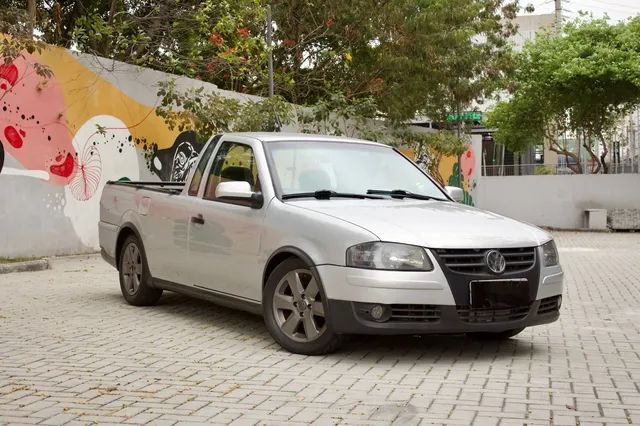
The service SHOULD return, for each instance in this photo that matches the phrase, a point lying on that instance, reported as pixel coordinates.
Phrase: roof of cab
(284, 136)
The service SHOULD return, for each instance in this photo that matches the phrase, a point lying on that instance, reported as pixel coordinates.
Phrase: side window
(233, 162)
(202, 164)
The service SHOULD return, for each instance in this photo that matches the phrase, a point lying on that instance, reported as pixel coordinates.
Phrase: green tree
(441, 56)
(217, 41)
(429, 56)
(209, 113)
(324, 48)
(16, 42)
(583, 81)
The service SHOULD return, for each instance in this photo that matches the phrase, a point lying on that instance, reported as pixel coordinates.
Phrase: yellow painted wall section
(87, 94)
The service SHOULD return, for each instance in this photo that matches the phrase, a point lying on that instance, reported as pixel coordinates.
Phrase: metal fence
(555, 169)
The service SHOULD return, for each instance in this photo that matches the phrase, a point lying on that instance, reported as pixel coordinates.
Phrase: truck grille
(471, 261)
(415, 313)
(484, 315)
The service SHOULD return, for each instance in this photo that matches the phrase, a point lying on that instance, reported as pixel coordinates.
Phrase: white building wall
(557, 201)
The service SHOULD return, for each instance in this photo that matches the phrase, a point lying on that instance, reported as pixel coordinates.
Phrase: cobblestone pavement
(72, 352)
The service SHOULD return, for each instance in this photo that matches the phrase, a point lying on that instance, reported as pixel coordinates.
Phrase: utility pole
(558, 16)
(269, 44)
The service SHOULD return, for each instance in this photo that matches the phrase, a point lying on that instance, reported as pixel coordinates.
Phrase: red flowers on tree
(287, 42)
(243, 32)
(329, 22)
(216, 39)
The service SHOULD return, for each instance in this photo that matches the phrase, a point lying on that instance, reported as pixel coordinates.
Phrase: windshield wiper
(325, 194)
(401, 193)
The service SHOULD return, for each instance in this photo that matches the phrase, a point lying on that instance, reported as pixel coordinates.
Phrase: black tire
(137, 290)
(327, 341)
(501, 335)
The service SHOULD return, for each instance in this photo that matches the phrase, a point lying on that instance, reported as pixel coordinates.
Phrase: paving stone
(72, 352)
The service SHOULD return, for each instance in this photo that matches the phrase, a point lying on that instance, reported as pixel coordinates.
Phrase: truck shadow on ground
(251, 330)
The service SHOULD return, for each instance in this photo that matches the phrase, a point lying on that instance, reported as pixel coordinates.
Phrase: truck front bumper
(356, 318)
(423, 302)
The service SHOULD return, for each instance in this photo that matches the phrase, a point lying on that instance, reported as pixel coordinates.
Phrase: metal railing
(555, 169)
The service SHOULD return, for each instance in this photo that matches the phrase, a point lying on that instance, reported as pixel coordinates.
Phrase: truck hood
(434, 224)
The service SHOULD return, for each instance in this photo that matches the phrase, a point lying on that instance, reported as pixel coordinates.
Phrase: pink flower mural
(32, 121)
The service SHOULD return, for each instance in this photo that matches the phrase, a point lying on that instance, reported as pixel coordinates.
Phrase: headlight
(390, 256)
(550, 254)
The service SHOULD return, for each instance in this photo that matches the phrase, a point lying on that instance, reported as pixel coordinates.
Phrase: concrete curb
(28, 266)
(551, 229)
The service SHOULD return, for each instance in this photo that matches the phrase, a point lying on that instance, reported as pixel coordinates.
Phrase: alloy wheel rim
(132, 268)
(298, 306)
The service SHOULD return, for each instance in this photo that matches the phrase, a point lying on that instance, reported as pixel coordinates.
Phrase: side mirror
(456, 193)
(239, 191)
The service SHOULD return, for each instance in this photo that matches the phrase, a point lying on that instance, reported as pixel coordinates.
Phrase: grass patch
(17, 259)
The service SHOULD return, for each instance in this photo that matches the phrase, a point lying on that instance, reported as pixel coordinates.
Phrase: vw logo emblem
(495, 261)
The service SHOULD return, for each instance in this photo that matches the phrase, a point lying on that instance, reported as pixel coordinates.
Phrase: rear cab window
(194, 185)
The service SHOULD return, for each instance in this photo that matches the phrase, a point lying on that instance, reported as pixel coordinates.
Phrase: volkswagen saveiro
(325, 237)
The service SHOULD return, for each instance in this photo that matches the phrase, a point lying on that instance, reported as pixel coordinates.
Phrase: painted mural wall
(448, 168)
(62, 138)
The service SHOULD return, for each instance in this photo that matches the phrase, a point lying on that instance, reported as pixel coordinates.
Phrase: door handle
(198, 219)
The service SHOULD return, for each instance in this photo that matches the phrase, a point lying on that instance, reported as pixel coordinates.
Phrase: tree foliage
(208, 113)
(583, 81)
(16, 42)
(217, 41)
(429, 56)
(441, 56)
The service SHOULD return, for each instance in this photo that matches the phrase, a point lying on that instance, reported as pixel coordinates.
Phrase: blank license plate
(499, 294)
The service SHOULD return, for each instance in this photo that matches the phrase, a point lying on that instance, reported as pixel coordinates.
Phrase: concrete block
(596, 218)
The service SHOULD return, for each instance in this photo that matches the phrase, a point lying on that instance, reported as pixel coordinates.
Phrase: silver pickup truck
(325, 237)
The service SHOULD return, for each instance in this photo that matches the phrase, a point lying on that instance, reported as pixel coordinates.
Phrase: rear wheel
(501, 335)
(295, 310)
(135, 279)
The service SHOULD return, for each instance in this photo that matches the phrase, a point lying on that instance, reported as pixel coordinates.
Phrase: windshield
(306, 167)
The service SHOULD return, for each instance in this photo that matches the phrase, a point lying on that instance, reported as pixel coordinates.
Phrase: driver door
(224, 235)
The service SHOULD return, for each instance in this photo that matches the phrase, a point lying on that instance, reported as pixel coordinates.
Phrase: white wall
(556, 201)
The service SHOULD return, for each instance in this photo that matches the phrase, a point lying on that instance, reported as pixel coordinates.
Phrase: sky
(617, 10)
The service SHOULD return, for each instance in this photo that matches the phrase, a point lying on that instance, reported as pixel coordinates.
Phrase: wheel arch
(127, 229)
(282, 254)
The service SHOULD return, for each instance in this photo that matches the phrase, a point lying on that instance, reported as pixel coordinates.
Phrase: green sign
(465, 116)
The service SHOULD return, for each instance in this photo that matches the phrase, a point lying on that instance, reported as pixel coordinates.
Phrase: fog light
(379, 313)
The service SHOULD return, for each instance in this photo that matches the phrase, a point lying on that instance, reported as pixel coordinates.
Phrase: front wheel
(135, 277)
(295, 310)
(501, 335)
